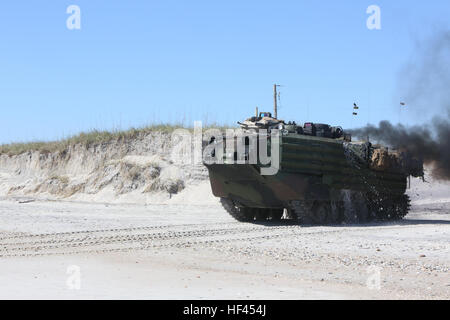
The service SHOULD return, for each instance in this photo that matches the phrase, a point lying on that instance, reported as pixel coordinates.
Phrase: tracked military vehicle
(323, 177)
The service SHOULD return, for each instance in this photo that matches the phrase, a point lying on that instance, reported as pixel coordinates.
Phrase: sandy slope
(147, 169)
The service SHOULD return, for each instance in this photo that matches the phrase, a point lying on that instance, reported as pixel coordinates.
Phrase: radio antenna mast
(275, 107)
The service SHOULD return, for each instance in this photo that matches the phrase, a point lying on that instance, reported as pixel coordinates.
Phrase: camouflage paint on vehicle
(316, 175)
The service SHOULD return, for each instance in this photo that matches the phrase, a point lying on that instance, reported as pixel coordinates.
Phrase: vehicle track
(125, 239)
(135, 237)
(39, 235)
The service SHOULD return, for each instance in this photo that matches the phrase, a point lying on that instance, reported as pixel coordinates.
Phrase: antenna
(275, 107)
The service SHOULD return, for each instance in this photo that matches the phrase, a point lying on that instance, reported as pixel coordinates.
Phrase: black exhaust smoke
(425, 84)
(430, 145)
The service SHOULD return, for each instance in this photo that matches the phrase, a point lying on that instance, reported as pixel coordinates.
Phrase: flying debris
(355, 107)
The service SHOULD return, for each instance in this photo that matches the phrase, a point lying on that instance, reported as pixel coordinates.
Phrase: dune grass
(93, 137)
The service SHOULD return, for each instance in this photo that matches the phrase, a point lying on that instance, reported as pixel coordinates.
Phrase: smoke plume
(425, 84)
(430, 142)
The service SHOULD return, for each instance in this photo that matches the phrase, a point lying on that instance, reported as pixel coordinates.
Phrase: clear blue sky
(138, 62)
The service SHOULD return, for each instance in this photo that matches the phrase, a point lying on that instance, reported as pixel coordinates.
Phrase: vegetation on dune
(93, 137)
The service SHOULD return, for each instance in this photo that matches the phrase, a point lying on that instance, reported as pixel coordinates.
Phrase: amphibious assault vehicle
(323, 176)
